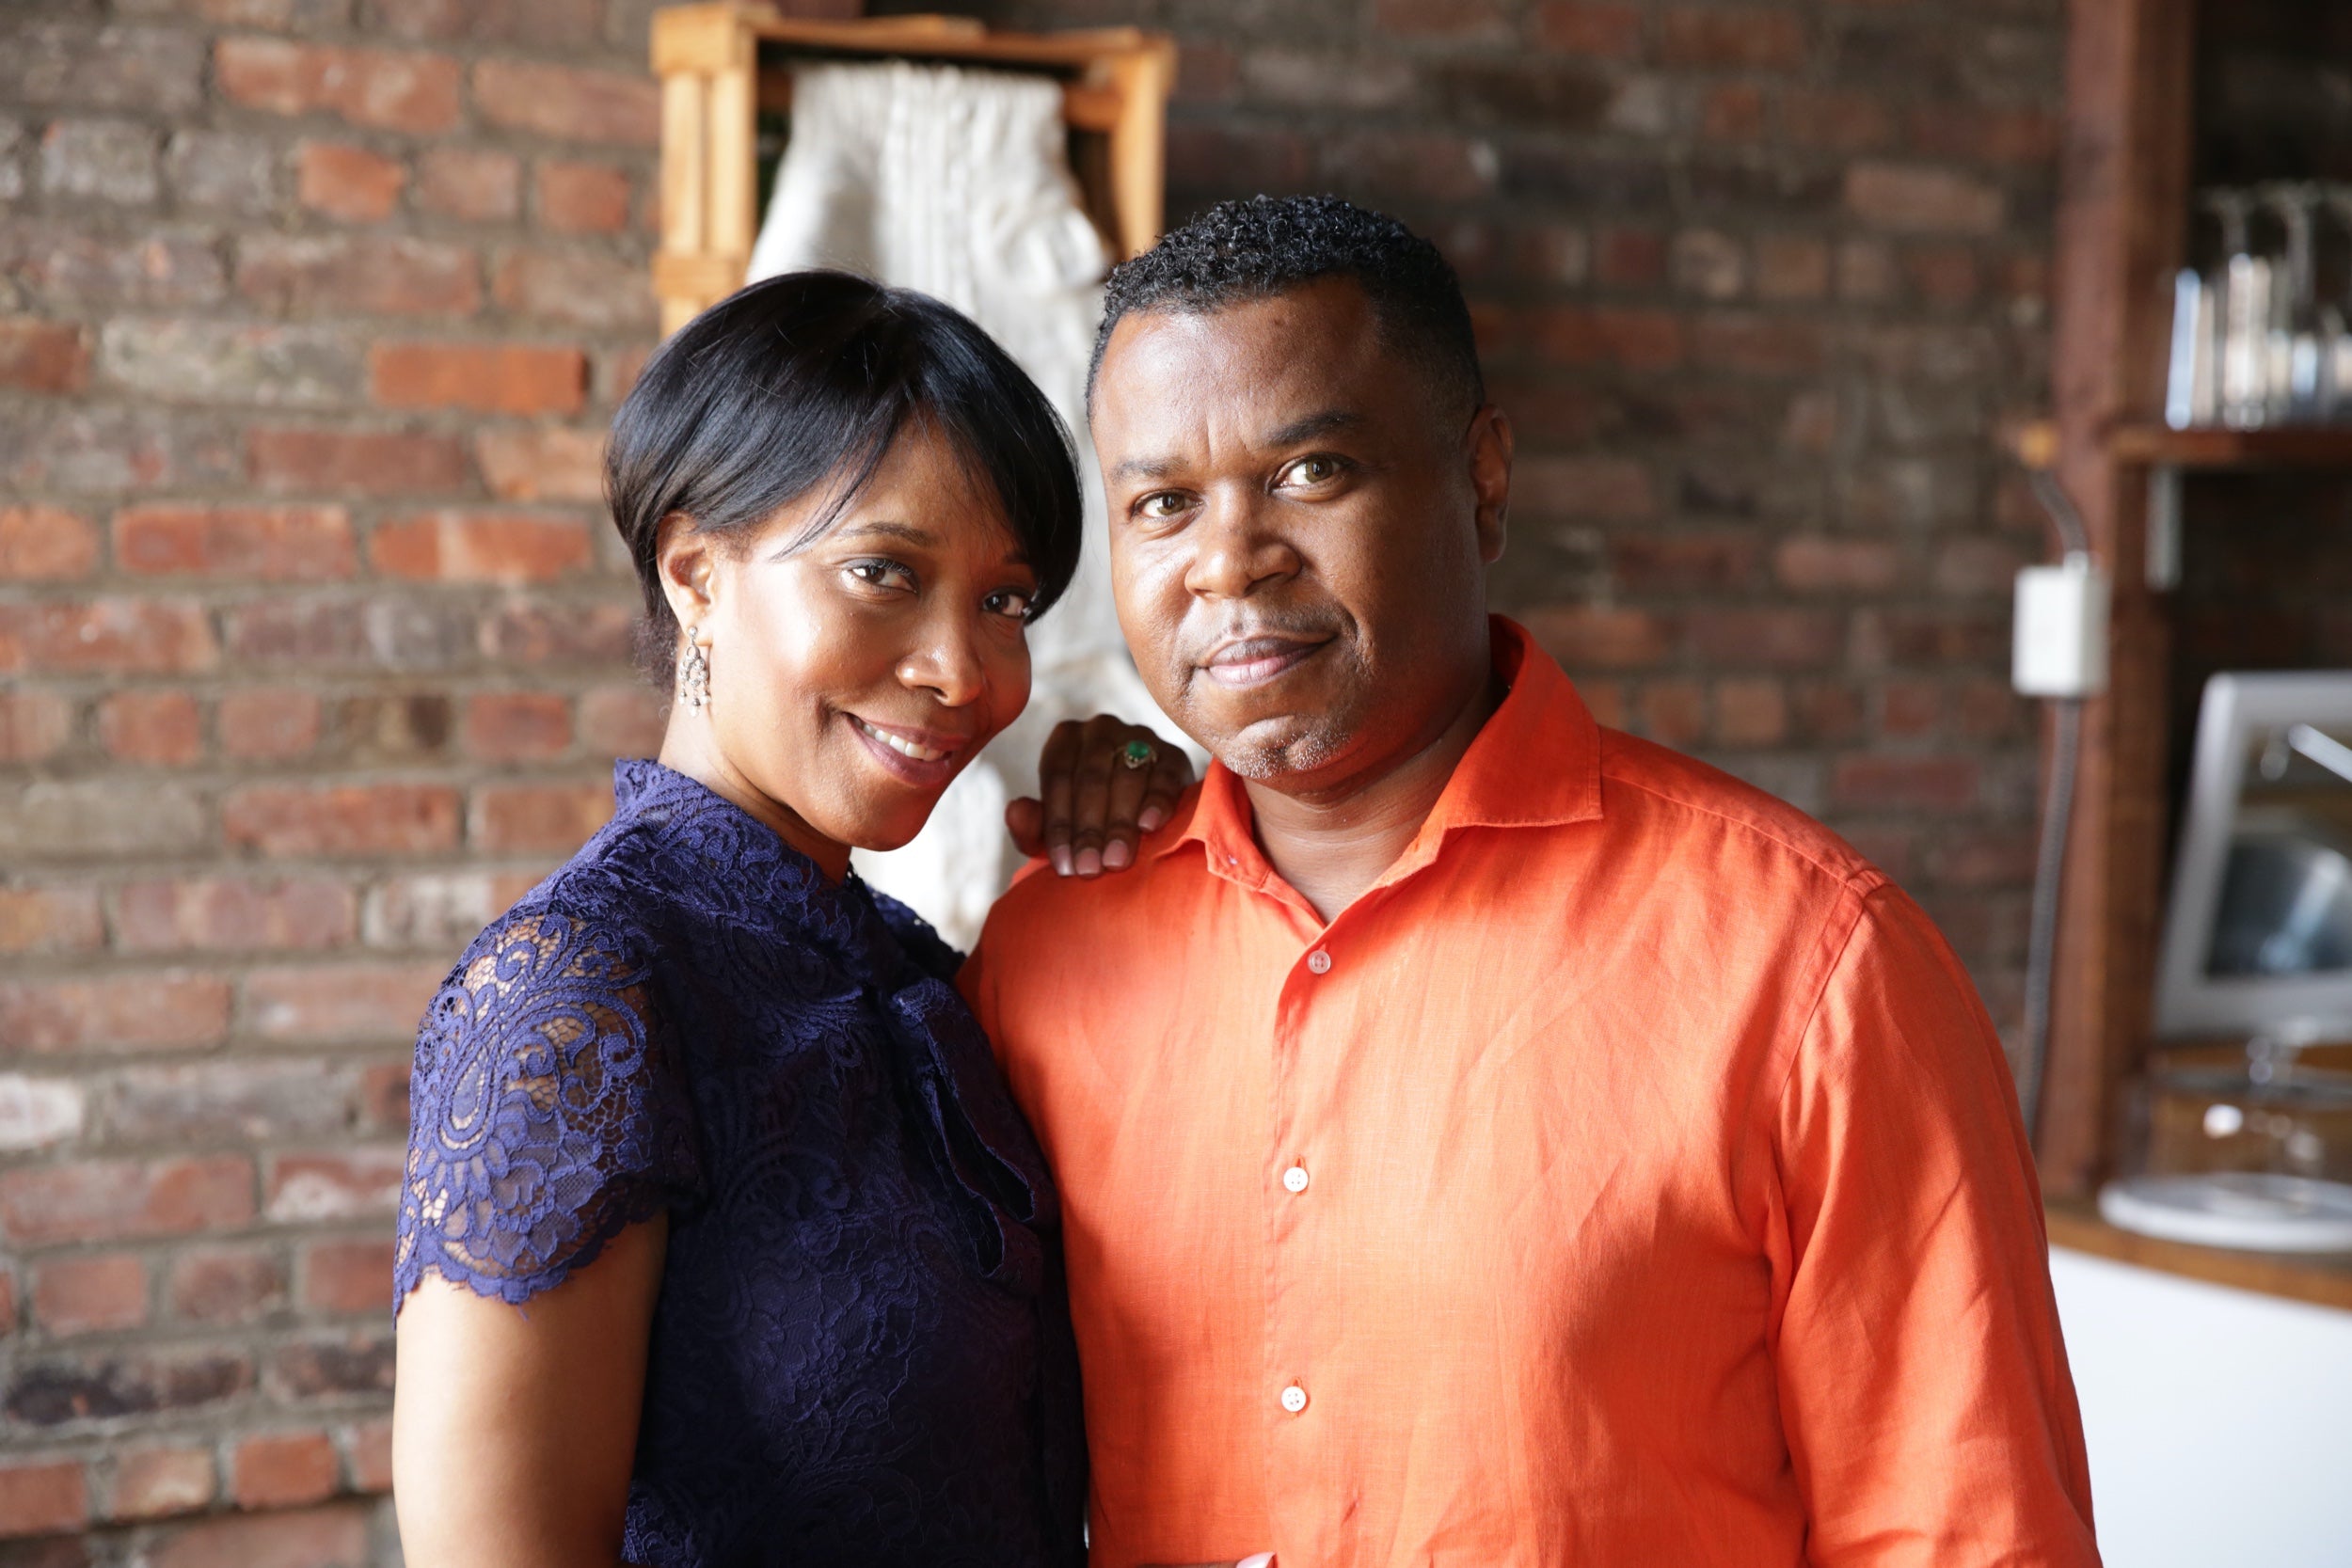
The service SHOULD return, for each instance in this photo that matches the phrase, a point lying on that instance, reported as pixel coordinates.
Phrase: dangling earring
(693, 673)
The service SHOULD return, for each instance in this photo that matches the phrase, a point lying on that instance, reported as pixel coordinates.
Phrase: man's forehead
(1262, 363)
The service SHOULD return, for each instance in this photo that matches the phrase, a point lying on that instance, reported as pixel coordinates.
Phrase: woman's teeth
(904, 748)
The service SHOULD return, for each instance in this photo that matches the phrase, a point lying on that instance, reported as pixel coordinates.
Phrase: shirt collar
(1536, 763)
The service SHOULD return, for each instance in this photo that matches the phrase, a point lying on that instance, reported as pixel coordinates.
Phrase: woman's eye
(1009, 602)
(880, 574)
(1312, 470)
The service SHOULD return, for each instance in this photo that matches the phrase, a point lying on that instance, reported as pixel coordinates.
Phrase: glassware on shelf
(2244, 312)
(2262, 314)
(2292, 357)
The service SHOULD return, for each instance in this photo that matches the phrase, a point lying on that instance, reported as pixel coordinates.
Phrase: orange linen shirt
(1631, 1177)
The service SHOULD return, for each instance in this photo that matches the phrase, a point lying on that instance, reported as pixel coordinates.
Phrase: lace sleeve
(547, 1111)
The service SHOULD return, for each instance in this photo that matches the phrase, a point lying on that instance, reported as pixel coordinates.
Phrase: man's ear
(684, 562)
(1489, 442)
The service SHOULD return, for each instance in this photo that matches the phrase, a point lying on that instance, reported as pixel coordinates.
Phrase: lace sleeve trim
(547, 1115)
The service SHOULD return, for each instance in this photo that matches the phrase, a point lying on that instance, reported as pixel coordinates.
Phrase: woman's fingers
(1100, 742)
(1171, 775)
(1094, 807)
(1129, 788)
(1055, 766)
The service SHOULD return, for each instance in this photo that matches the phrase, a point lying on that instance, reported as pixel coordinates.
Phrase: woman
(810, 1305)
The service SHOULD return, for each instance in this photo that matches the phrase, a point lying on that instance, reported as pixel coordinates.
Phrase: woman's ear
(685, 564)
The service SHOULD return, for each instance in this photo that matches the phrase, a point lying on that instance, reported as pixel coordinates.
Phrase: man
(1486, 1138)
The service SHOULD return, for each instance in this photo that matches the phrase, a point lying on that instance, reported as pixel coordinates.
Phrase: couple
(1453, 1134)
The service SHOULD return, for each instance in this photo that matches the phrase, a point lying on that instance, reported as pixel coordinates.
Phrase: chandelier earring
(693, 673)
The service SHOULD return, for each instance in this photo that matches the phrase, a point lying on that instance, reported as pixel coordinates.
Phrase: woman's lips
(923, 757)
(1256, 660)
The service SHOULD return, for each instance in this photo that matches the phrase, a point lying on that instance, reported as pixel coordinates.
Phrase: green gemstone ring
(1140, 753)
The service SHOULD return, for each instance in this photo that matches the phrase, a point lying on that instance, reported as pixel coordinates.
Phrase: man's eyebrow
(1142, 467)
(1310, 427)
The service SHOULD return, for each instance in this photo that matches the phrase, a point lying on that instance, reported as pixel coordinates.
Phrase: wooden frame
(715, 80)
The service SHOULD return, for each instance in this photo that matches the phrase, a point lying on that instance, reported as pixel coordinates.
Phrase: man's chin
(1269, 751)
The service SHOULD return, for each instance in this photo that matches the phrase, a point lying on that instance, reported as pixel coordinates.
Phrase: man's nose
(1236, 552)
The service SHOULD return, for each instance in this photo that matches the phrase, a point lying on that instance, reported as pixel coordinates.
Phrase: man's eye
(1312, 470)
(1010, 602)
(1161, 503)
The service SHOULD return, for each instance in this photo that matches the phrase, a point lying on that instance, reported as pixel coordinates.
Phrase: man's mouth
(1247, 661)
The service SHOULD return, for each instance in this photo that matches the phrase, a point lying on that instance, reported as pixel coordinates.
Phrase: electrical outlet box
(2060, 644)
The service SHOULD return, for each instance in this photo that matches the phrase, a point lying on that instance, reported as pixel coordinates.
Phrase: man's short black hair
(803, 382)
(1247, 250)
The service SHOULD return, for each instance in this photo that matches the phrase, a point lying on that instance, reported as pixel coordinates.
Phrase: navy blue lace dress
(862, 1352)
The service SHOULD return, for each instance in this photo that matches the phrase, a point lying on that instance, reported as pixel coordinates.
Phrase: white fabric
(957, 183)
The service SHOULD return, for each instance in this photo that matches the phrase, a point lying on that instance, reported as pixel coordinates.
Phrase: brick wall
(312, 641)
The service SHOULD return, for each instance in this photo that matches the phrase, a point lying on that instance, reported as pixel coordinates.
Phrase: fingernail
(1060, 855)
(1263, 1560)
(1090, 863)
(1153, 816)
(1116, 854)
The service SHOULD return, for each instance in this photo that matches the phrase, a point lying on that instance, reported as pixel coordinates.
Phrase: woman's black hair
(805, 380)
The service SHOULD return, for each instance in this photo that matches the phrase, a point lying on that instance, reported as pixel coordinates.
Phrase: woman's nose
(949, 665)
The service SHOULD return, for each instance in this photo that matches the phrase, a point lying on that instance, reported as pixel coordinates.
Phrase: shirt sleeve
(1924, 1388)
(547, 1111)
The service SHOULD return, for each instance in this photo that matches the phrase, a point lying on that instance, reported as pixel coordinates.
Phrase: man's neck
(1332, 845)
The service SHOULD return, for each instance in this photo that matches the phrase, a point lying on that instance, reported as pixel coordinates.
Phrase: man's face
(1300, 524)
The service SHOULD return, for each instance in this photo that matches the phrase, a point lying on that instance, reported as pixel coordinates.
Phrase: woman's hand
(1101, 795)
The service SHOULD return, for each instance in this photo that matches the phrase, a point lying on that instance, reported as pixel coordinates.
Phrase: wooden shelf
(2323, 1279)
(2305, 447)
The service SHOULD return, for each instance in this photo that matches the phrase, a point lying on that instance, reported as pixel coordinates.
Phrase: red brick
(1772, 637)
(228, 1285)
(1617, 489)
(168, 1011)
(582, 197)
(42, 1497)
(347, 1276)
(1912, 199)
(7, 1304)
(510, 547)
(50, 920)
(1866, 270)
(348, 183)
(1909, 708)
(1967, 568)
(112, 636)
(368, 274)
(491, 378)
(90, 1295)
(383, 1098)
(1674, 712)
(542, 463)
(1835, 122)
(363, 462)
(1991, 857)
(363, 1184)
(233, 913)
(569, 103)
(528, 633)
(45, 544)
(1945, 275)
(1973, 134)
(162, 729)
(1734, 112)
(125, 1200)
(156, 1484)
(271, 724)
(1410, 167)
(465, 182)
(1919, 783)
(1823, 564)
(340, 1002)
(1628, 339)
(43, 357)
(1602, 31)
(283, 1469)
(516, 726)
(1732, 37)
(274, 543)
(1751, 713)
(622, 721)
(331, 1537)
(370, 1446)
(1760, 345)
(384, 89)
(1629, 258)
(1791, 266)
(521, 819)
(1590, 637)
(1447, 19)
(1828, 710)
(345, 819)
(32, 725)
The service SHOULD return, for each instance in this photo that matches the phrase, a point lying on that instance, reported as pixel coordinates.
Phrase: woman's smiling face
(853, 676)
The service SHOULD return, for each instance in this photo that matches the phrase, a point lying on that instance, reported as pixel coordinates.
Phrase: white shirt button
(1319, 962)
(1296, 1179)
(1293, 1399)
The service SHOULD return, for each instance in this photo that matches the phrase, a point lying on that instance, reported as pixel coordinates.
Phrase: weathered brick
(90, 1294)
(340, 1003)
(1761, 345)
(1916, 199)
(1771, 638)
(209, 362)
(369, 275)
(1618, 490)
(380, 88)
(1735, 112)
(1481, 20)
(45, 544)
(1824, 563)
(438, 909)
(1679, 562)
(1924, 784)
(347, 1276)
(65, 64)
(294, 459)
(266, 1099)
(1709, 264)
(524, 819)
(232, 170)
(398, 727)
(274, 543)
(534, 21)
(370, 1444)
(491, 378)
(622, 721)
(335, 1536)
(467, 183)
(1585, 637)
(1751, 712)
(1731, 38)
(159, 729)
(39, 1497)
(228, 1285)
(33, 725)
(1791, 267)
(268, 725)
(78, 817)
(157, 1484)
(107, 1387)
(71, 265)
(300, 16)
(345, 820)
(283, 1469)
(83, 449)
(38, 1113)
(601, 293)
(233, 914)
(1599, 30)
(348, 183)
(512, 547)
(373, 634)
(105, 160)
(57, 918)
(542, 463)
(573, 196)
(167, 1011)
(358, 1364)
(125, 1200)
(42, 356)
(364, 1184)
(517, 727)
(1629, 258)
(1631, 339)
(569, 102)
